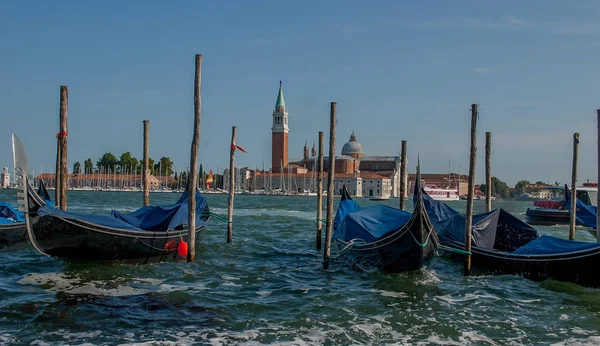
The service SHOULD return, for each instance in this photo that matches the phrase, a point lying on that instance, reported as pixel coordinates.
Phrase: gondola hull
(12, 234)
(76, 240)
(579, 267)
(398, 252)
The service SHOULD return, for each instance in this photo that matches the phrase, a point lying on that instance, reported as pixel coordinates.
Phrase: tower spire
(280, 100)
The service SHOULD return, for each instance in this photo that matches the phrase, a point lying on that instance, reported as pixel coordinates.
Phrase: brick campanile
(279, 149)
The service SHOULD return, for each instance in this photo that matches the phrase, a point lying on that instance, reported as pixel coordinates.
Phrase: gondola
(149, 234)
(12, 221)
(503, 244)
(383, 237)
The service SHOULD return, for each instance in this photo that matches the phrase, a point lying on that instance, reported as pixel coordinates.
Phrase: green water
(268, 287)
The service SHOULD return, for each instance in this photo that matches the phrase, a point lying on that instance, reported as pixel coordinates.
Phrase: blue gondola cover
(497, 229)
(548, 245)
(367, 224)
(9, 215)
(151, 218)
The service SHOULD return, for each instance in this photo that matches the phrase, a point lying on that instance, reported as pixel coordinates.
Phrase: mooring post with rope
(193, 177)
(231, 185)
(61, 151)
(573, 213)
(330, 177)
(320, 192)
(471, 191)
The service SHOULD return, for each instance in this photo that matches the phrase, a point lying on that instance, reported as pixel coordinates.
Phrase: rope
(217, 216)
(322, 220)
(426, 239)
(451, 249)
(344, 250)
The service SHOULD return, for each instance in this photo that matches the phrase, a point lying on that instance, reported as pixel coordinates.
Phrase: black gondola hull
(399, 254)
(12, 234)
(579, 267)
(86, 242)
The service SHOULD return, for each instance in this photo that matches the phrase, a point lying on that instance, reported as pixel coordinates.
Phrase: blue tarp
(151, 218)
(353, 222)
(546, 245)
(586, 213)
(497, 229)
(9, 215)
(106, 221)
(370, 223)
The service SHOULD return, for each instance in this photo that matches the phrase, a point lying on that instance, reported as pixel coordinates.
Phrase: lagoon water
(268, 287)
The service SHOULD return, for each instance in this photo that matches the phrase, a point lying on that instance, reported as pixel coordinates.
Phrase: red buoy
(171, 245)
(182, 249)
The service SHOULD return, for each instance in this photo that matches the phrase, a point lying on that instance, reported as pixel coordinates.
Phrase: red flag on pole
(238, 147)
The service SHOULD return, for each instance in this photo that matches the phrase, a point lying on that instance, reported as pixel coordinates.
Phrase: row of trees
(501, 189)
(126, 163)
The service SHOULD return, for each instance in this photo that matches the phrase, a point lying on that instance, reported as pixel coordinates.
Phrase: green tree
(521, 186)
(77, 168)
(499, 188)
(108, 161)
(164, 166)
(540, 183)
(88, 166)
(127, 162)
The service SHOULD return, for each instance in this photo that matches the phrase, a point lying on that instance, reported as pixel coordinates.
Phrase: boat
(149, 234)
(12, 221)
(379, 198)
(555, 210)
(383, 237)
(441, 194)
(503, 244)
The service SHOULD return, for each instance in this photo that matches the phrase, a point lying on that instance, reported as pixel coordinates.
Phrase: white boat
(378, 198)
(441, 194)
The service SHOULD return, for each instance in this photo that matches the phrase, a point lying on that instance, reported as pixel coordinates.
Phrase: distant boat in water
(555, 211)
(441, 194)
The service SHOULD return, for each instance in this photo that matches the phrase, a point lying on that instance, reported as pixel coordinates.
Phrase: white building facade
(5, 179)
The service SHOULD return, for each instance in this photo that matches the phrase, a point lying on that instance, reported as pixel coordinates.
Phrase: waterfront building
(5, 179)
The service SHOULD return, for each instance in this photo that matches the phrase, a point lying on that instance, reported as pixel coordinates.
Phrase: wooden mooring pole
(62, 174)
(231, 185)
(598, 181)
(471, 191)
(402, 175)
(573, 213)
(330, 185)
(145, 164)
(488, 172)
(193, 177)
(320, 192)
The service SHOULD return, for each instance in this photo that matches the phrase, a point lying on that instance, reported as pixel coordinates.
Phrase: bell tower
(279, 150)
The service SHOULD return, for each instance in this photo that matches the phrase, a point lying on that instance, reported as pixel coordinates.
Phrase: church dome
(353, 148)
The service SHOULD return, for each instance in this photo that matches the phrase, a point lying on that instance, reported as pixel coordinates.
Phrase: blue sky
(397, 69)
